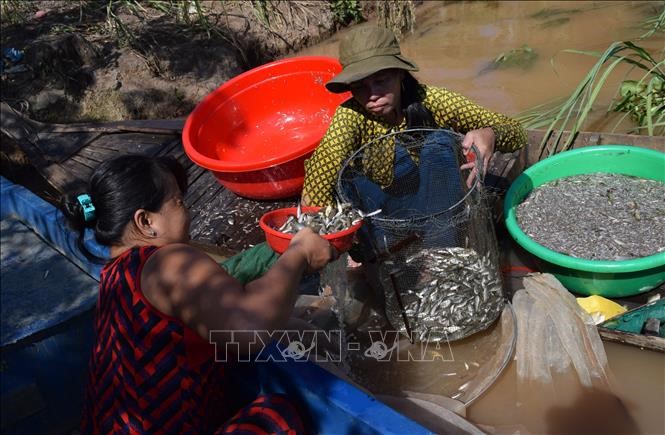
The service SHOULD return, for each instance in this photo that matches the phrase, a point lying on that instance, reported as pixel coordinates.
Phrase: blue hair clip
(88, 208)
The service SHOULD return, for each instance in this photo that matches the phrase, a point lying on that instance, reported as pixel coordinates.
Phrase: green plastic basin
(590, 277)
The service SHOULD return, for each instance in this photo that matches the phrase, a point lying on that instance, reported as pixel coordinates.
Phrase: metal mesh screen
(433, 240)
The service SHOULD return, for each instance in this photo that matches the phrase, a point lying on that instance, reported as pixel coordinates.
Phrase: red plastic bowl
(255, 131)
(278, 241)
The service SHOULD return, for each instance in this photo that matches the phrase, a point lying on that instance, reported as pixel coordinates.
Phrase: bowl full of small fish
(337, 224)
(594, 217)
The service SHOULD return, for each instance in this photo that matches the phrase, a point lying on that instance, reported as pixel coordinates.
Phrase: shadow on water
(593, 411)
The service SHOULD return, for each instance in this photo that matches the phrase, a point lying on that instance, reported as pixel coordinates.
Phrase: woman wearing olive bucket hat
(387, 98)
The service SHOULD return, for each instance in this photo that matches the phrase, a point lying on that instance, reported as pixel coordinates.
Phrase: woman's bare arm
(184, 282)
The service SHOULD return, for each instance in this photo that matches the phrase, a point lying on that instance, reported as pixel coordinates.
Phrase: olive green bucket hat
(365, 51)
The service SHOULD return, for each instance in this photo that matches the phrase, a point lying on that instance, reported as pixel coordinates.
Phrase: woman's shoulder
(174, 272)
(176, 255)
(181, 265)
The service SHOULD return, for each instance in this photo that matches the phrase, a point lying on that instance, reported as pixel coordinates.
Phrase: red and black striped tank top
(149, 373)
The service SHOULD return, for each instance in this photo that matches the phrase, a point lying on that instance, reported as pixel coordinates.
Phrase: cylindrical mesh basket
(433, 240)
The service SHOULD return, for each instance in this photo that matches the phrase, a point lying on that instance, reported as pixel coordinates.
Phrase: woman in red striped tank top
(153, 368)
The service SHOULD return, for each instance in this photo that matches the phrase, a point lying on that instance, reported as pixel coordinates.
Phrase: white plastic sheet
(554, 332)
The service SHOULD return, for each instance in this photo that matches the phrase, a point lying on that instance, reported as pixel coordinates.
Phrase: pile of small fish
(328, 220)
(446, 293)
(597, 216)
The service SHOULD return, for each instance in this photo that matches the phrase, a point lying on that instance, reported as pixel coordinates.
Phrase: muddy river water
(638, 380)
(453, 43)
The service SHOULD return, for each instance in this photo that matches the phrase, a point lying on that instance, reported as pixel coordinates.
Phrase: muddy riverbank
(81, 63)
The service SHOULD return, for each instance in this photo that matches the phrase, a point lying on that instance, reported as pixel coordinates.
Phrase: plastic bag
(554, 332)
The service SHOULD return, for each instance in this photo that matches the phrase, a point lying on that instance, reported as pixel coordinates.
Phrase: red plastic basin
(278, 241)
(255, 131)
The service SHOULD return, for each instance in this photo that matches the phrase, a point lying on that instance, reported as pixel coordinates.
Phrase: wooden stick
(644, 341)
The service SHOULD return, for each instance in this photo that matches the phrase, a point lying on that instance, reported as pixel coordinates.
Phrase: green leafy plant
(654, 24)
(346, 12)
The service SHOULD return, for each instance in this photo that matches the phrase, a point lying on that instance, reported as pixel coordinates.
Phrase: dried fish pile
(233, 223)
(597, 216)
(446, 293)
(329, 220)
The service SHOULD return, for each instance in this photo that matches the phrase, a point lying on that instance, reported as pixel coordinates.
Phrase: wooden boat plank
(135, 143)
(199, 176)
(11, 116)
(643, 341)
(192, 170)
(176, 150)
(79, 171)
(97, 154)
(52, 174)
(90, 164)
(201, 188)
(499, 171)
(58, 147)
(171, 148)
(210, 215)
(194, 173)
(147, 126)
(80, 167)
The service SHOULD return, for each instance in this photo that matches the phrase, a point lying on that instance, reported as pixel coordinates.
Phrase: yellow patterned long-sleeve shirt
(353, 127)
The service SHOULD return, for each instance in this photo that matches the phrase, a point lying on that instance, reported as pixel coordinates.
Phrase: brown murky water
(639, 381)
(453, 43)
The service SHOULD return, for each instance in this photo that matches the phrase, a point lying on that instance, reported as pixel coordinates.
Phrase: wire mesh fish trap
(434, 240)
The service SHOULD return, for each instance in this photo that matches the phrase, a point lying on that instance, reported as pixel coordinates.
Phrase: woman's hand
(317, 250)
(483, 139)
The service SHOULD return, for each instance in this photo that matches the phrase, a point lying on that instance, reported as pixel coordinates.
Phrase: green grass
(641, 100)
(654, 24)
(346, 12)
